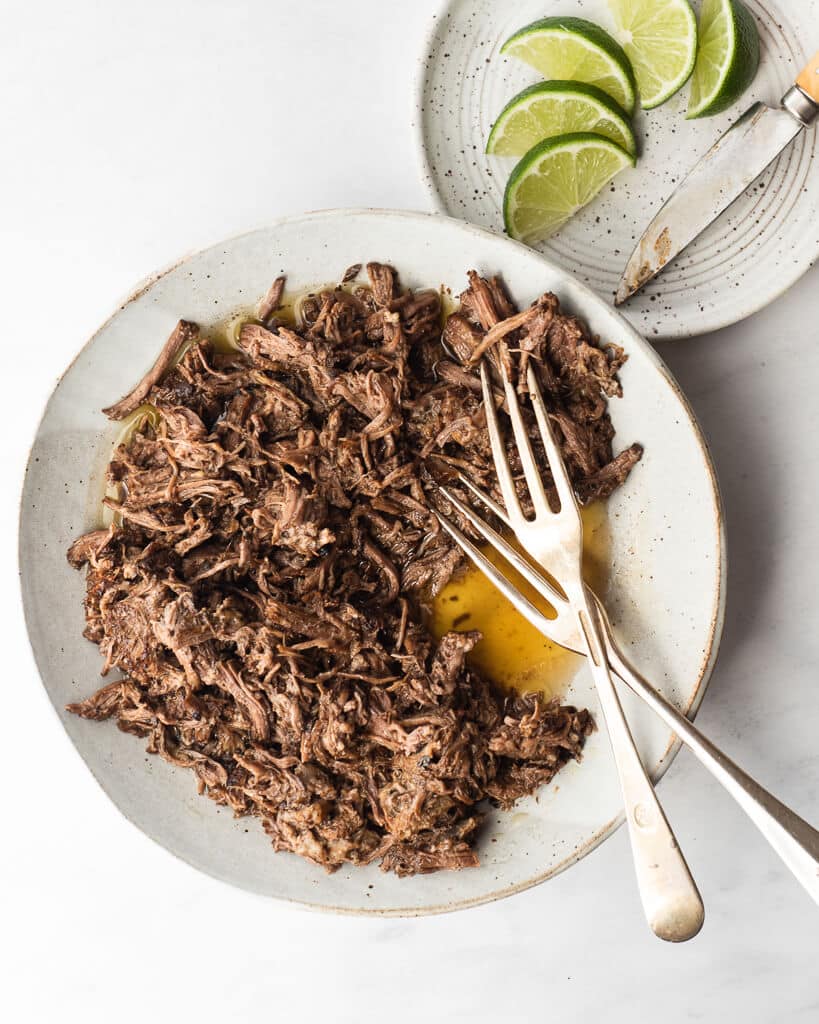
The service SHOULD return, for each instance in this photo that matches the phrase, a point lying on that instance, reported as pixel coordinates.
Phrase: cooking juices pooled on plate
(511, 652)
(261, 590)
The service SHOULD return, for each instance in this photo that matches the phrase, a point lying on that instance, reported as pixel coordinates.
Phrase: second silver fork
(554, 539)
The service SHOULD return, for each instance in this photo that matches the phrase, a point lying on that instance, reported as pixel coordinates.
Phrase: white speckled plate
(666, 594)
(757, 250)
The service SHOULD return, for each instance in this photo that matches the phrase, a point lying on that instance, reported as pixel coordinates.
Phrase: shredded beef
(262, 588)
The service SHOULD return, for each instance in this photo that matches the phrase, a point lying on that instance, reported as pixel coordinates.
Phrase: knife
(723, 174)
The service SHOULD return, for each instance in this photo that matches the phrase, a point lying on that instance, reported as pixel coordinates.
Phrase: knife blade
(735, 161)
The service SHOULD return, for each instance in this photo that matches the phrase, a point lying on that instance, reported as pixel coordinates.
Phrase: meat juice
(512, 653)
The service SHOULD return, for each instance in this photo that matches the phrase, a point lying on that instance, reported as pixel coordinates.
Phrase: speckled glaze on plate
(667, 581)
(757, 250)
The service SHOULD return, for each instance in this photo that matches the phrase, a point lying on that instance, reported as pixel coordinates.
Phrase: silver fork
(794, 840)
(669, 895)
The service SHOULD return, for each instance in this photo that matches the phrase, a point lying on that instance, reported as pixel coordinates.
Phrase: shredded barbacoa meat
(262, 592)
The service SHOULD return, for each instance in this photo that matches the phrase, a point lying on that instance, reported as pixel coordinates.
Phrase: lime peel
(557, 108)
(727, 60)
(578, 50)
(555, 179)
(660, 39)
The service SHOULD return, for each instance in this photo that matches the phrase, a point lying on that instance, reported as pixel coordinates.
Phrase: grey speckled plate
(757, 250)
(668, 564)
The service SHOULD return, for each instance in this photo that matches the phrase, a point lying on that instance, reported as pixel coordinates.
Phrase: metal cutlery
(671, 902)
(796, 842)
(732, 164)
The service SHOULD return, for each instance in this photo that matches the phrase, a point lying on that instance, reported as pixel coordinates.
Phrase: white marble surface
(131, 133)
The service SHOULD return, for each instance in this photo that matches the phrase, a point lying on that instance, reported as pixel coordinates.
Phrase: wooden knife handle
(808, 80)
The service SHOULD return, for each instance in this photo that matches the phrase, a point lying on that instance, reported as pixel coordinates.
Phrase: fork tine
(490, 503)
(511, 593)
(543, 586)
(556, 464)
(534, 481)
(507, 483)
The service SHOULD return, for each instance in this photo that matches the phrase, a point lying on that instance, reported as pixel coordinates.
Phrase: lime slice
(660, 38)
(555, 179)
(557, 108)
(727, 59)
(575, 49)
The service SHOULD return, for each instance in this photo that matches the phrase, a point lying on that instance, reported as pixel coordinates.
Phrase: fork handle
(669, 895)
(796, 842)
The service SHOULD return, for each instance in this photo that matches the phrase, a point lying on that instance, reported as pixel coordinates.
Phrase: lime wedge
(575, 49)
(660, 38)
(727, 60)
(555, 179)
(557, 108)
